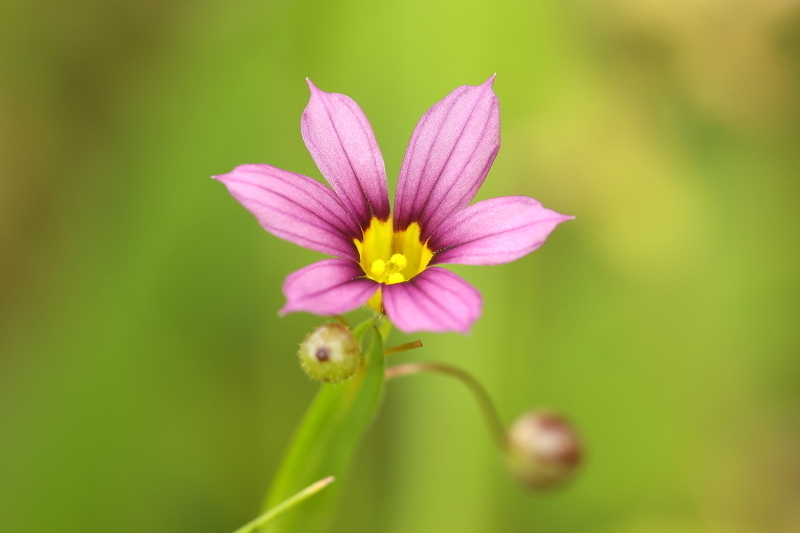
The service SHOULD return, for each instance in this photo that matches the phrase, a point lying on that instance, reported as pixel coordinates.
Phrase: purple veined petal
(494, 231)
(295, 208)
(340, 139)
(327, 287)
(449, 155)
(434, 300)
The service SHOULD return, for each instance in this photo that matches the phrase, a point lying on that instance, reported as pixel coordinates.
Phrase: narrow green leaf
(326, 439)
(285, 505)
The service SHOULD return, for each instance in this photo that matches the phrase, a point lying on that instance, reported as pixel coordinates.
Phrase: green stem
(385, 328)
(327, 437)
(496, 427)
(286, 504)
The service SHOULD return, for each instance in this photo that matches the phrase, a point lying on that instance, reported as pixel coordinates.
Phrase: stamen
(378, 267)
(389, 256)
(399, 260)
(397, 277)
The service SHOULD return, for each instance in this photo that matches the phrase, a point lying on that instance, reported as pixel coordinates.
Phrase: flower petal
(449, 155)
(494, 231)
(327, 287)
(434, 300)
(295, 208)
(341, 141)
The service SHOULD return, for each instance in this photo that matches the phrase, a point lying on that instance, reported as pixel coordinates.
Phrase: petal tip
(248, 167)
(313, 88)
(221, 177)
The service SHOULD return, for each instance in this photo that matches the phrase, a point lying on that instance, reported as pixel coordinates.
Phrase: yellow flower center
(389, 256)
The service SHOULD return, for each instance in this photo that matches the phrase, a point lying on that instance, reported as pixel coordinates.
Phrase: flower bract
(388, 259)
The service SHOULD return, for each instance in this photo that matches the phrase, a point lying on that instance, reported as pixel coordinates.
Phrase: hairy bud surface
(330, 353)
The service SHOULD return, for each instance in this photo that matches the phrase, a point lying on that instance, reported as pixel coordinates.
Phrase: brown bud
(330, 353)
(543, 450)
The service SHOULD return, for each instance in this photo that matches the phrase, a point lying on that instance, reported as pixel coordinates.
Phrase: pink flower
(385, 260)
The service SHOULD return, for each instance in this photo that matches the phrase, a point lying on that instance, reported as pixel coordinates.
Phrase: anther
(378, 267)
(399, 260)
(397, 277)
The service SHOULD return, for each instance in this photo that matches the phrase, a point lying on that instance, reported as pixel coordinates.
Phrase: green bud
(330, 353)
(543, 450)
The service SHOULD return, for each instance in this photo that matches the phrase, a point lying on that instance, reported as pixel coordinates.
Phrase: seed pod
(330, 353)
(543, 450)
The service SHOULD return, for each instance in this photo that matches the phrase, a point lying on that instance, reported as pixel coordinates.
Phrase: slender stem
(385, 328)
(286, 504)
(403, 347)
(496, 427)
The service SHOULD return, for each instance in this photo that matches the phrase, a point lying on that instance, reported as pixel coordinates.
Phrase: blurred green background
(147, 384)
